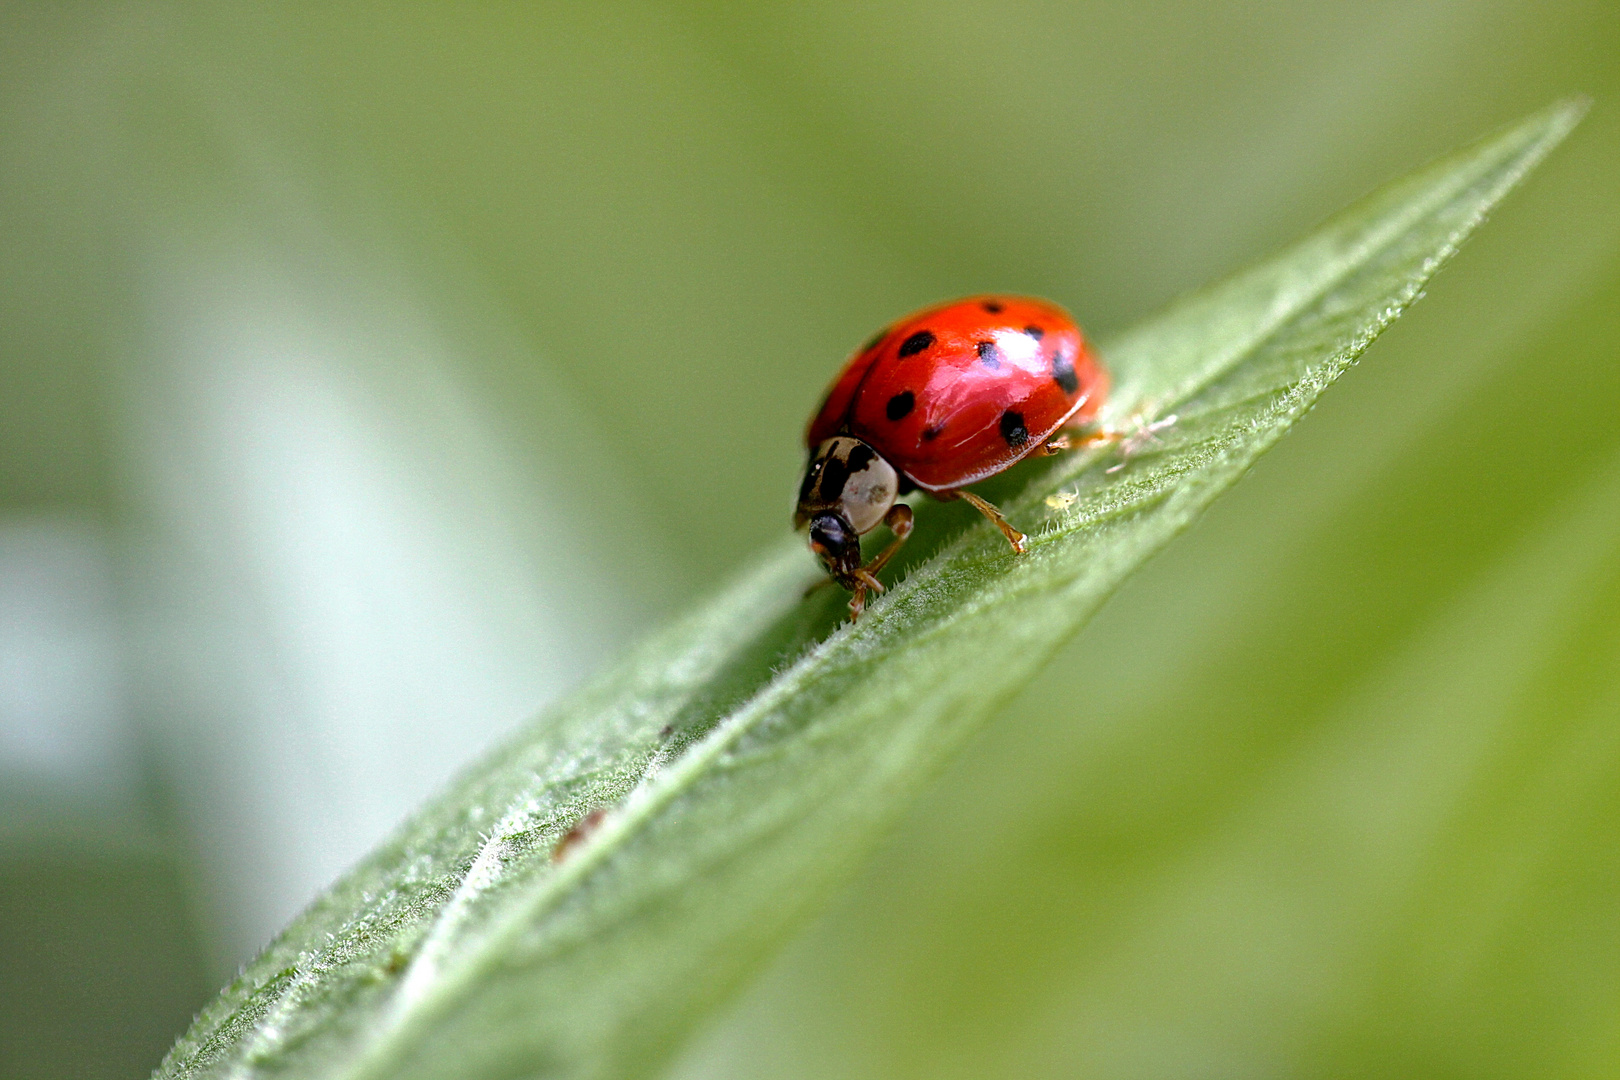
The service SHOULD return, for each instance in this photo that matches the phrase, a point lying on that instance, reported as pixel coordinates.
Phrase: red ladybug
(943, 398)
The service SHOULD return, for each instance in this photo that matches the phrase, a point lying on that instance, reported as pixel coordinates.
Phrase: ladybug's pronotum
(941, 399)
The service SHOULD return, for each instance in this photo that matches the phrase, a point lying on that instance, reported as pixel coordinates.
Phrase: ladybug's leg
(898, 519)
(1081, 438)
(1132, 440)
(864, 583)
(1014, 537)
(1143, 434)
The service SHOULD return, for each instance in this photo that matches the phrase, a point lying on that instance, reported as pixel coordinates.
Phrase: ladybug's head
(847, 489)
(837, 544)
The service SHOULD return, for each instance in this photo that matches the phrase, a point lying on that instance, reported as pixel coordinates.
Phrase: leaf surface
(747, 756)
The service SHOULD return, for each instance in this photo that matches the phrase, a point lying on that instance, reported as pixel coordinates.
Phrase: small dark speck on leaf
(578, 834)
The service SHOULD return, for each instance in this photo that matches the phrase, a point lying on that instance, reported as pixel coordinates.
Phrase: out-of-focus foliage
(744, 758)
(370, 307)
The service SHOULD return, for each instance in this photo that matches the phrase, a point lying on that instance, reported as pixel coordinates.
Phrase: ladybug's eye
(836, 544)
(828, 534)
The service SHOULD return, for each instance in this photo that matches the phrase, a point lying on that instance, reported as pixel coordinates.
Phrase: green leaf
(747, 756)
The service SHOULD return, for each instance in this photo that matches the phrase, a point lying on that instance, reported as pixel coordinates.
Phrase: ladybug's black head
(838, 545)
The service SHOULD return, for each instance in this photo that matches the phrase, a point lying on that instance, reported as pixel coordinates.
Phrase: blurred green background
(370, 374)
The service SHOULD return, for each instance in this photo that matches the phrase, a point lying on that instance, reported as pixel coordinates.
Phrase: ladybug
(944, 398)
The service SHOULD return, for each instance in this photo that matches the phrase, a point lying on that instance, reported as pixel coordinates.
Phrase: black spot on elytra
(899, 405)
(1063, 372)
(916, 343)
(992, 307)
(1035, 332)
(1013, 429)
(989, 355)
(929, 434)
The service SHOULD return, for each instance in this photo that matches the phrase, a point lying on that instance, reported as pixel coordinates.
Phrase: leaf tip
(1549, 127)
(1569, 112)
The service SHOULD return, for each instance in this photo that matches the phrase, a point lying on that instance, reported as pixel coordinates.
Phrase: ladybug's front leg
(898, 519)
(857, 602)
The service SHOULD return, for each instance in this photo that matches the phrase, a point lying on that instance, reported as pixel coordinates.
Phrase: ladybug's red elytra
(941, 399)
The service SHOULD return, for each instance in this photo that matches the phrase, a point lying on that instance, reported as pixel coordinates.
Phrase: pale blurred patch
(353, 586)
(65, 722)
